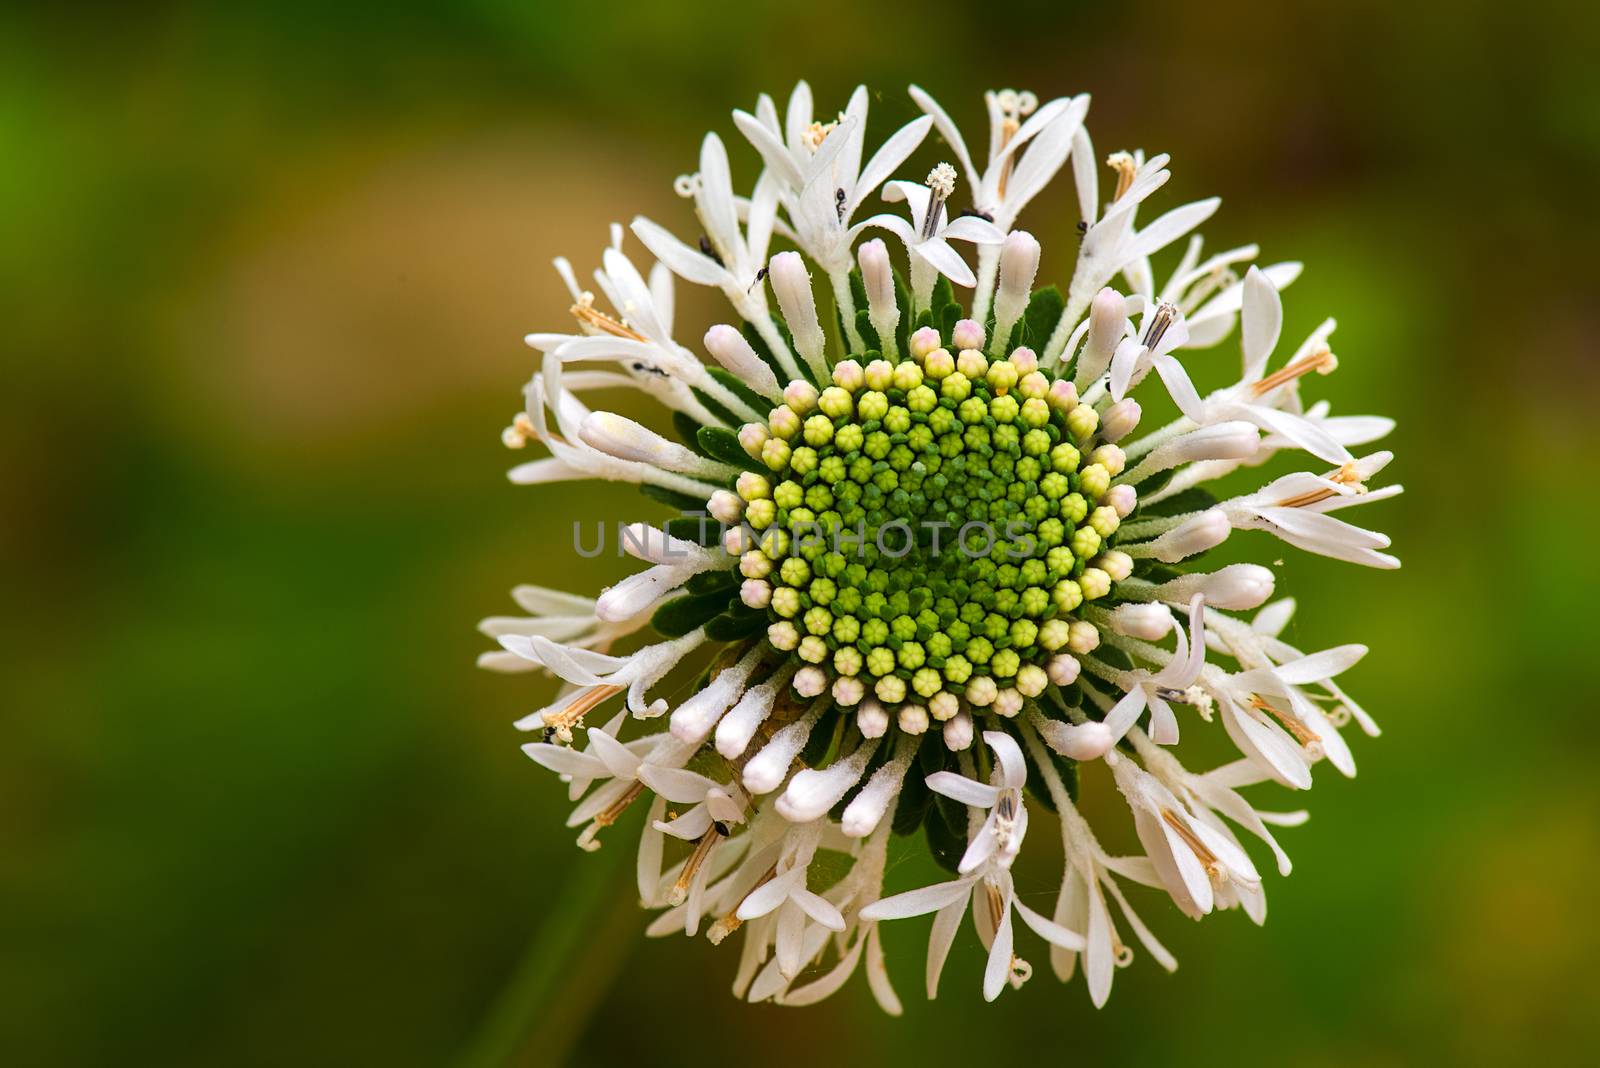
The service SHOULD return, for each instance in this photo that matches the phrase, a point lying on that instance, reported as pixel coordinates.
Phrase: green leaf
(723, 444)
(681, 615)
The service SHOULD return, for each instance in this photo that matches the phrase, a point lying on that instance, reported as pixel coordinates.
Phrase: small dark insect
(761, 274)
(1006, 807)
(647, 369)
(722, 828)
(975, 213)
(549, 733)
(839, 203)
(708, 251)
(1083, 227)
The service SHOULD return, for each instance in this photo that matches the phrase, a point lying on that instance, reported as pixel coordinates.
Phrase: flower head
(930, 570)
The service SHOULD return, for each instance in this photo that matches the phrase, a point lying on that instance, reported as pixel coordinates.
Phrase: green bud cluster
(928, 526)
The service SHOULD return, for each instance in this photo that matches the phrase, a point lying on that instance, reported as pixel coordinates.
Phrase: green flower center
(927, 526)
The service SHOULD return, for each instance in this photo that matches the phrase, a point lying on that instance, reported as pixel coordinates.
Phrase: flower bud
(913, 719)
(783, 635)
(878, 278)
(972, 363)
(848, 375)
(1150, 622)
(752, 436)
(729, 347)
(938, 364)
(1008, 702)
(756, 593)
(752, 486)
(1019, 262)
(1063, 670)
(1026, 361)
(981, 691)
(1083, 741)
(924, 341)
(880, 375)
(943, 705)
(1120, 419)
(958, 733)
(1193, 536)
(1108, 317)
(1109, 457)
(792, 286)
(1124, 498)
(1063, 396)
(1117, 564)
(872, 720)
(848, 691)
(800, 397)
(967, 334)
(725, 506)
(1232, 440)
(810, 681)
(1084, 639)
(784, 422)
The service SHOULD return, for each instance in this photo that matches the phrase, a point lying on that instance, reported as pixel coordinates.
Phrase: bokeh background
(264, 271)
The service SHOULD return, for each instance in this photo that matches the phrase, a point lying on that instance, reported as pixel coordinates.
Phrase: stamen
(691, 867)
(941, 182)
(1181, 826)
(1126, 169)
(598, 321)
(1348, 475)
(1014, 106)
(588, 841)
(560, 723)
(817, 133)
(731, 922)
(1322, 361)
(1160, 322)
(1290, 723)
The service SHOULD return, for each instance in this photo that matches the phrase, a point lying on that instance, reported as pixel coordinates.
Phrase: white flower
(1028, 144)
(800, 700)
(985, 880)
(1152, 690)
(927, 237)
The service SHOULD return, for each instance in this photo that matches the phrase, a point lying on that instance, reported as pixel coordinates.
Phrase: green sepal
(736, 624)
(681, 501)
(1065, 767)
(683, 614)
(1193, 499)
(715, 407)
(687, 430)
(763, 350)
(713, 582)
(700, 529)
(821, 747)
(946, 828)
(722, 444)
(1039, 320)
(736, 386)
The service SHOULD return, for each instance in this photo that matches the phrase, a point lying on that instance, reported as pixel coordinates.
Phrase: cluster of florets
(927, 528)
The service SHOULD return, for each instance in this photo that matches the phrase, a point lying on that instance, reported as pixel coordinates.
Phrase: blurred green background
(264, 271)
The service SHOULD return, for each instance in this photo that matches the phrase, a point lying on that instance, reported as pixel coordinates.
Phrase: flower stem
(566, 967)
